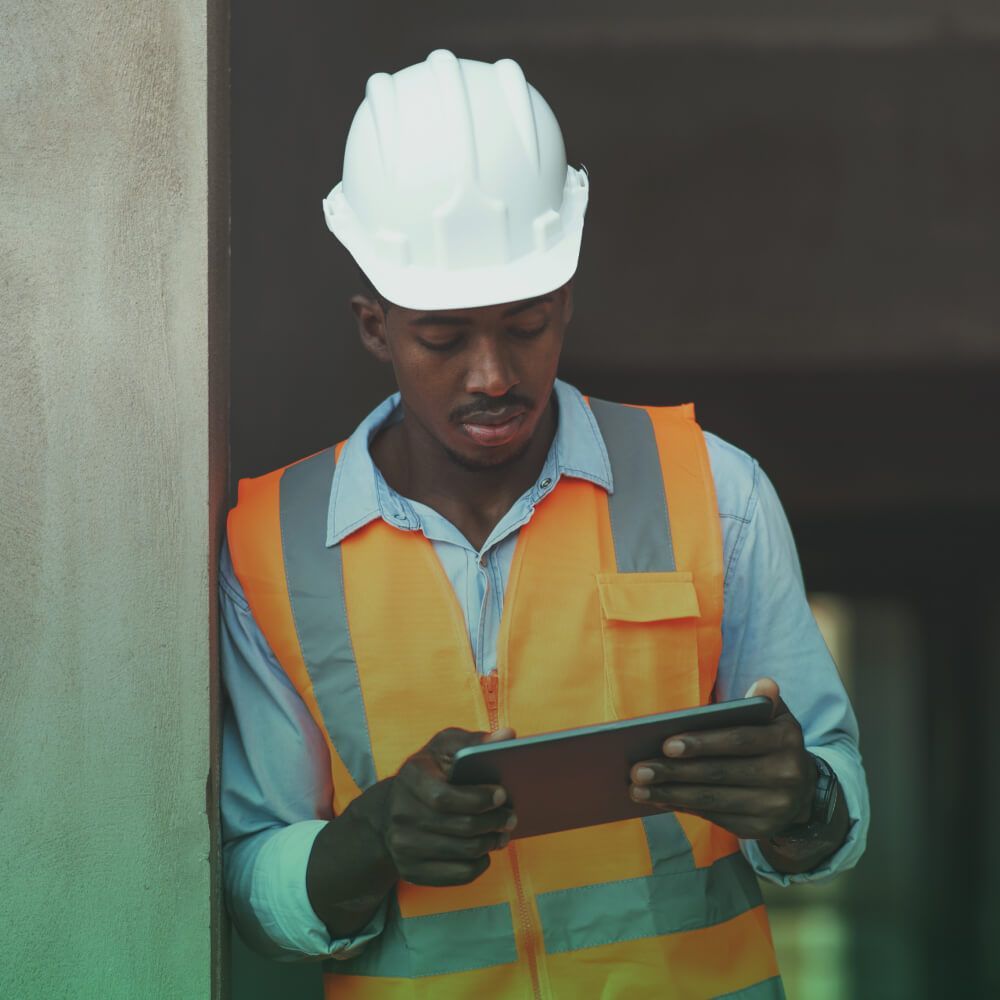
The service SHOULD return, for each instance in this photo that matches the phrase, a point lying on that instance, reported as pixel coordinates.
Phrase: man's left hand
(752, 780)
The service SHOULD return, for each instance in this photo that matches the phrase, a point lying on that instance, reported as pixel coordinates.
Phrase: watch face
(831, 805)
(825, 800)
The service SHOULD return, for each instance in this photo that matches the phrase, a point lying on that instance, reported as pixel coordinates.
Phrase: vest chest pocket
(649, 626)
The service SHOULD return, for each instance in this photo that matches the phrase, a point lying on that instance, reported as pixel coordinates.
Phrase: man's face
(459, 371)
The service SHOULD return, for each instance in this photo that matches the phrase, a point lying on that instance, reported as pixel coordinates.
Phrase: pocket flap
(645, 597)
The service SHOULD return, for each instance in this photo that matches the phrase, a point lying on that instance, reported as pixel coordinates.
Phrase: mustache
(495, 408)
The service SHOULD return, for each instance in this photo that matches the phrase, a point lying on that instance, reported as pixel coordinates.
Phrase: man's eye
(528, 334)
(441, 347)
(452, 344)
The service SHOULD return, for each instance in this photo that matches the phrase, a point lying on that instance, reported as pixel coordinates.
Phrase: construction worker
(493, 552)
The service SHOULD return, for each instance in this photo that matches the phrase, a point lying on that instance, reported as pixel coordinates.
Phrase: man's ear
(372, 327)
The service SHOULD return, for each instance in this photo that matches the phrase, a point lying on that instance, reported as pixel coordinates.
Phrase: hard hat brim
(425, 289)
(428, 288)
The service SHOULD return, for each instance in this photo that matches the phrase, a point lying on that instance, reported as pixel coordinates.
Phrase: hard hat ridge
(516, 89)
(380, 95)
(456, 191)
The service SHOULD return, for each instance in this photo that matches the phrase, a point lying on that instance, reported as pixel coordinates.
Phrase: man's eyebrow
(436, 319)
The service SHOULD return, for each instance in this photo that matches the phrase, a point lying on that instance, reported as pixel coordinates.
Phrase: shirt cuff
(851, 778)
(281, 903)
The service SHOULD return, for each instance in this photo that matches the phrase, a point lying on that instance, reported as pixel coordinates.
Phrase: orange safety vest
(613, 609)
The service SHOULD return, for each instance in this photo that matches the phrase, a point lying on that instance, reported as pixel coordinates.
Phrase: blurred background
(794, 222)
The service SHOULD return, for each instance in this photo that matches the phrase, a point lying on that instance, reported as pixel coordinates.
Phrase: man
(489, 552)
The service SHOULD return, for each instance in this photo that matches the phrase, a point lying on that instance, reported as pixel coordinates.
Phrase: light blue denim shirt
(276, 784)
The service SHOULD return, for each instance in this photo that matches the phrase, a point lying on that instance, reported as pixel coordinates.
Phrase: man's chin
(486, 462)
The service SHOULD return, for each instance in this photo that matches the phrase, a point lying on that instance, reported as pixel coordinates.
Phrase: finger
(445, 744)
(441, 873)
(748, 827)
(768, 688)
(763, 802)
(736, 741)
(501, 734)
(468, 824)
(418, 847)
(763, 771)
(423, 779)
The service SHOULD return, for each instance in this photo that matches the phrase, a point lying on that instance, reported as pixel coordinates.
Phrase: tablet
(580, 777)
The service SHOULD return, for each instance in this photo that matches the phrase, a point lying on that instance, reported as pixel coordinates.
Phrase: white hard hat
(456, 192)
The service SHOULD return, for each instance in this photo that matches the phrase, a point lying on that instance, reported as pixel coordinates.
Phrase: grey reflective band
(411, 947)
(592, 915)
(767, 989)
(640, 527)
(669, 847)
(640, 522)
(315, 576)
(677, 896)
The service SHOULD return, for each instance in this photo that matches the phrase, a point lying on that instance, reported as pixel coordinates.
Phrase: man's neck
(416, 466)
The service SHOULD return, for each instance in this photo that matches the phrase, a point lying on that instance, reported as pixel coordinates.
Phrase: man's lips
(496, 433)
(492, 419)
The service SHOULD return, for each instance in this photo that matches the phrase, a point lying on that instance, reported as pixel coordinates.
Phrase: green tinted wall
(105, 501)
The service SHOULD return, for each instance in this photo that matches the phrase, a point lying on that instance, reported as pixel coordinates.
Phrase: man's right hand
(438, 833)
(414, 826)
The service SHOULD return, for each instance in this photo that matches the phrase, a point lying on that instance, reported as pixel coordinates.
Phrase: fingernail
(504, 839)
(640, 793)
(499, 797)
(750, 690)
(674, 748)
(644, 774)
(511, 822)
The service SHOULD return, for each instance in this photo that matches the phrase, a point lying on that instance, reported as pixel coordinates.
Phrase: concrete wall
(110, 484)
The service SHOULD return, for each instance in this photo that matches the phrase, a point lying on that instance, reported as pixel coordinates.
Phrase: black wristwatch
(824, 806)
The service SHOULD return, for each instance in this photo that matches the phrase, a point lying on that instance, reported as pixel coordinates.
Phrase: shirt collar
(359, 492)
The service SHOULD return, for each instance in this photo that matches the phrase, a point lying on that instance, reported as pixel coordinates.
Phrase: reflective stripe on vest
(438, 944)
(769, 989)
(708, 895)
(643, 543)
(371, 634)
(315, 577)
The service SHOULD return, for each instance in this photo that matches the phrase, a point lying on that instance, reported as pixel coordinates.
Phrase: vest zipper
(489, 687)
(528, 934)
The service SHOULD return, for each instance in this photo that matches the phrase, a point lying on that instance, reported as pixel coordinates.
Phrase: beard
(487, 464)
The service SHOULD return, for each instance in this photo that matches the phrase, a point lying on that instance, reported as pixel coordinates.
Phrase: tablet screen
(580, 777)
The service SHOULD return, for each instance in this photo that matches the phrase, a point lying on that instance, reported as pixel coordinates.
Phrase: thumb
(443, 746)
(501, 734)
(768, 688)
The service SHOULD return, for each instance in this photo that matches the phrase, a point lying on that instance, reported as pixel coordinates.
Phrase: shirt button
(544, 483)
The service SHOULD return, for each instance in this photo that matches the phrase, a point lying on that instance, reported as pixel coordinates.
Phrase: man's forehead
(457, 317)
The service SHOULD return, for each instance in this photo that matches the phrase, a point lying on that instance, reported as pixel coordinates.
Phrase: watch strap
(824, 805)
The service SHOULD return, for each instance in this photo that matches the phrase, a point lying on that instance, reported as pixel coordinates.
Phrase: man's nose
(491, 371)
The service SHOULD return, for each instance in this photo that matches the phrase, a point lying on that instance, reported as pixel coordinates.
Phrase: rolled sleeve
(847, 767)
(276, 791)
(271, 870)
(768, 630)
